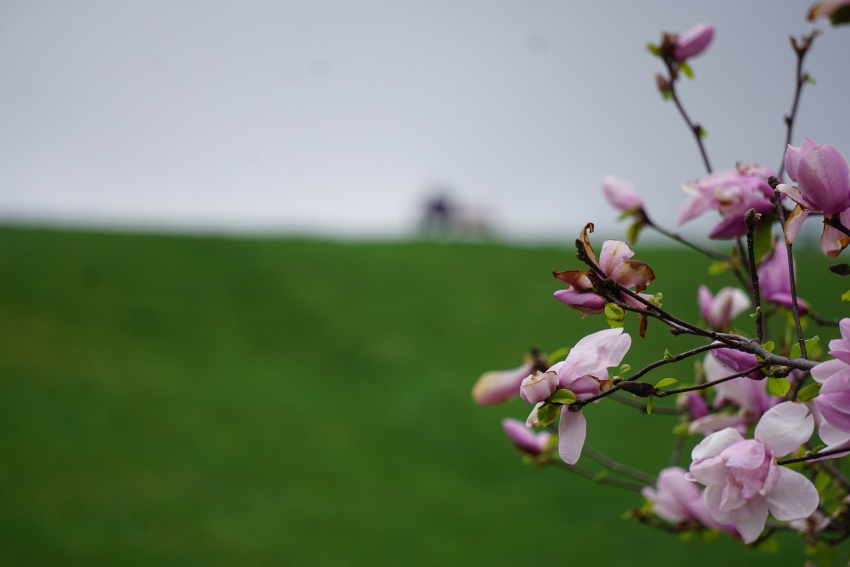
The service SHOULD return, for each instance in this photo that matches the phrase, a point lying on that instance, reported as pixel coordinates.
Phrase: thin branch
(750, 219)
(777, 203)
(616, 466)
(800, 48)
(695, 128)
(676, 358)
(665, 393)
(680, 239)
(656, 409)
(596, 477)
(812, 456)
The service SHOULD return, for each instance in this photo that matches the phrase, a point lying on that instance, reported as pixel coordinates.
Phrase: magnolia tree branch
(750, 219)
(801, 48)
(695, 128)
(647, 221)
(777, 203)
(596, 477)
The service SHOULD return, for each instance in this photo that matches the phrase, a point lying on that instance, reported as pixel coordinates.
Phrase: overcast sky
(337, 116)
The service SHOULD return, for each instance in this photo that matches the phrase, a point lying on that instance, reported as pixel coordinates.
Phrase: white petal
(715, 444)
(572, 431)
(750, 519)
(794, 497)
(783, 428)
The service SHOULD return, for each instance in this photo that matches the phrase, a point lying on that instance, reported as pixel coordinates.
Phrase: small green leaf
(665, 382)
(633, 231)
(810, 344)
(547, 413)
(846, 296)
(769, 545)
(763, 237)
(701, 132)
(615, 315)
(652, 48)
(563, 397)
(711, 536)
(811, 80)
(778, 386)
(666, 95)
(668, 356)
(681, 429)
(810, 392)
(624, 368)
(686, 69)
(768, 346)
(717, 268)
(649, 405)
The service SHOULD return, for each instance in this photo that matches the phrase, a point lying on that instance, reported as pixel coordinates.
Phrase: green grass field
(177, 400)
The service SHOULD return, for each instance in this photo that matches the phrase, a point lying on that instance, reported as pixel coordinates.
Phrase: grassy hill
(177, 400)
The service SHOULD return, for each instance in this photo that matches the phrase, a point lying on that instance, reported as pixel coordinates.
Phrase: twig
(750, 219)
(665, 393)
(800, 49)
(615, 466)
(811, 456)
(596, 477)
(695, 129)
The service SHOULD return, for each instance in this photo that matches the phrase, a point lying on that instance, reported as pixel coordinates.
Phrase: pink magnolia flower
(614, 261)
(748, 395)
(525, 439)
(499, 386)
(775, 280)
(621, 194)
(822, 175)
(833, 401)
(730, 193)
(737, 361)
(693, 42)
(719, 311)
(585, 373)
(743, 482)
(676, 499)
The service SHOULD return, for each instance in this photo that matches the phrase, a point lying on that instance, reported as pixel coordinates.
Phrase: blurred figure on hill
(444, 218)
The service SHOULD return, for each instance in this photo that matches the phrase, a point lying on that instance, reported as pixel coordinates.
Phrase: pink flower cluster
(822, 175)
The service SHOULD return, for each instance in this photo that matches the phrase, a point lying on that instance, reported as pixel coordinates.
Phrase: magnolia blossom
(676, 499)
(737, 361)
(744, 483)
(525, 439)
(749, 396)
(585, 373)
(822, 175)
(719, 311)
(775, 280)
(614, 261)
(621, 194)
(693, 42)
(833, 401)
(499, 386)
(730, 193)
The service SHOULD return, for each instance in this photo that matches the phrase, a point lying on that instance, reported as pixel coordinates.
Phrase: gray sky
(336, 116)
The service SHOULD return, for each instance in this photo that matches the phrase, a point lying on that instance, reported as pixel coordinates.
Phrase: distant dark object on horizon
(445, 219)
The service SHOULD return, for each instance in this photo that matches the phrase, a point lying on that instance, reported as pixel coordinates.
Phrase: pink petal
(572, 431)
(537, 387)
(785, 427)
(585, 302)
(794, 222)
(823, 176)
(715, 444)
(614, 253)
(750, 519)
(631, 273)
(794, 497)
(499, 385)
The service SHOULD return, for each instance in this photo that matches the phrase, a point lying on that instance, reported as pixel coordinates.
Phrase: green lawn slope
(178, 400)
